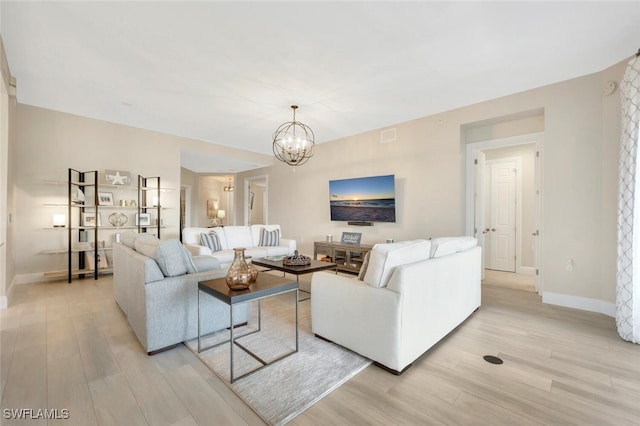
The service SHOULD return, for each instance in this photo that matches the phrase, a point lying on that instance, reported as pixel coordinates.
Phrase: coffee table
(278, 265)
(266, 285)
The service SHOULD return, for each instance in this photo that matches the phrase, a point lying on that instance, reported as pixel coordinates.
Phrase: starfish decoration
(116, 179)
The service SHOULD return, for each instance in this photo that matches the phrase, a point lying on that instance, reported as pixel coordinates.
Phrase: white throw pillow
(211, 240)
(364, 267)
(444, 246)
(385, 257)
(269, 238)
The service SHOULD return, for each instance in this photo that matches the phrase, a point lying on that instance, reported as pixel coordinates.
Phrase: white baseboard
(528, 270)
(6, 300)
(583, 303)
(30, 278)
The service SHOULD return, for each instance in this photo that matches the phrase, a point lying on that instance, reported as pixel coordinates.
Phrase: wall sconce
(59, 220)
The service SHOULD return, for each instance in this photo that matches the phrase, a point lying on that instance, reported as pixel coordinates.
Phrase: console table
(347, 257)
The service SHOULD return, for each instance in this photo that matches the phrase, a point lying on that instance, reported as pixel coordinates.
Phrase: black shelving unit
(87, 183)
(148, 190)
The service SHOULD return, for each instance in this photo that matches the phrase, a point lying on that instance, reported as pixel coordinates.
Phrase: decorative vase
(254, 272)
(239, 274)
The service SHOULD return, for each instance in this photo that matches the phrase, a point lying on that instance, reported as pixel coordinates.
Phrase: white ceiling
(227, 72)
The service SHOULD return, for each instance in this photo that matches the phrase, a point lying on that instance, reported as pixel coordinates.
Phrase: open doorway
(504, 205)
(256, 200)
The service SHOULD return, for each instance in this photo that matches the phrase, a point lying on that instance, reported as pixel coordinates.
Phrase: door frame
(472, 150)
(247, 197)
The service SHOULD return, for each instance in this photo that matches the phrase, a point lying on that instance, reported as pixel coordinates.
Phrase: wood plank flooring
(68, 346)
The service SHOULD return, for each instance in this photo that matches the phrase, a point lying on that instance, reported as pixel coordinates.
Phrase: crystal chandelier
(293, 142)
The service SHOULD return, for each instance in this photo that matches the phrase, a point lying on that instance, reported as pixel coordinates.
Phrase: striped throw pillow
(269, 238)
(211, 240)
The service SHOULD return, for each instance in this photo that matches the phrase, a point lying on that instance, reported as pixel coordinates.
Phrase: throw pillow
(188, 261)
(385, 257)
(170, 258)
(269, 238)
(211, 240)
(363, 268)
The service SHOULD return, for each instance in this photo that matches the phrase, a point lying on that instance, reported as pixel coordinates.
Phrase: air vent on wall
(388, 135)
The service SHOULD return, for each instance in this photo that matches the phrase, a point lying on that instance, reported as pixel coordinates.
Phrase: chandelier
(228, 188)
(293, 142)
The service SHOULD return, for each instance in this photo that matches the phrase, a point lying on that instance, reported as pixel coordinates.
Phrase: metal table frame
(275, 286)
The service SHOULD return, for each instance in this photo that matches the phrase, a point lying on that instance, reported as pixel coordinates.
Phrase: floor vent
(492, 359)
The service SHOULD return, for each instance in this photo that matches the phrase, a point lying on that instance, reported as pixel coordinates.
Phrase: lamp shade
(59, 220)
(221, 214)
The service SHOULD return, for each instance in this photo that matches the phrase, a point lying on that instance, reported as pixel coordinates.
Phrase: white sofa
(236, 236)
(412, 295)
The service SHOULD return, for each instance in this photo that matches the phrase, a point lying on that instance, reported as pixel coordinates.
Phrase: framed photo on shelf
(103, 263)
(351, 238)
(105, 198)
(143, 219)
(91, 219)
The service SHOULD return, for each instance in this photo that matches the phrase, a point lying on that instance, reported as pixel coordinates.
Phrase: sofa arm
(357, 316)
(286, 242)
(197, 250)
(206, 263)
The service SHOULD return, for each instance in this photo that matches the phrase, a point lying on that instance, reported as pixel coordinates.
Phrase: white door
(501, 251)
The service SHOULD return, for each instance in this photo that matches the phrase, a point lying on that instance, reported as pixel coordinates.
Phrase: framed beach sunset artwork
(366, 199)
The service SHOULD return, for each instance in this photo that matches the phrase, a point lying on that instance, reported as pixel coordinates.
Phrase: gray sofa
(156, 286)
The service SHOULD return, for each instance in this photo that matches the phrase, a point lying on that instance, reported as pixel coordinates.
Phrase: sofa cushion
(172, 258)
(206, 263)
(188, 260)
(269, 238)
(444, 246)
(237, 236)
(385, 257)
(363, 268)
(211, 240)
(129, 239)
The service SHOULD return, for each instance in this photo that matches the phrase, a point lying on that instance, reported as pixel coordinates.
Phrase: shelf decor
(118, 219)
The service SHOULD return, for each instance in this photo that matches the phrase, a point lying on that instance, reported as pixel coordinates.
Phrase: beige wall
(47, 143)
(579, 172)
(7, 197)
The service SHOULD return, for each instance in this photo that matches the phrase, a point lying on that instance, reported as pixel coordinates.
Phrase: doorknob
(486, 230)
(493, 229)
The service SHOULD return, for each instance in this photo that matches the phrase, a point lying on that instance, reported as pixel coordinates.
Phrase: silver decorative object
(118, 219)
(297, 260)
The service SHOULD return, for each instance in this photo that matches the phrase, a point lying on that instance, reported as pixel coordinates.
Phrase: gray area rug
(281, 391)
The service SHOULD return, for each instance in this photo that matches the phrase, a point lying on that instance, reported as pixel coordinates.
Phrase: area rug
(284, 389)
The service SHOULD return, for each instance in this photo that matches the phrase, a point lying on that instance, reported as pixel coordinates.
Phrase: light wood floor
(511, 280)
(69, 346)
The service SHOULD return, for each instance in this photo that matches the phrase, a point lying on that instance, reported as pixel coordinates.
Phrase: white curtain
(628, 279)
